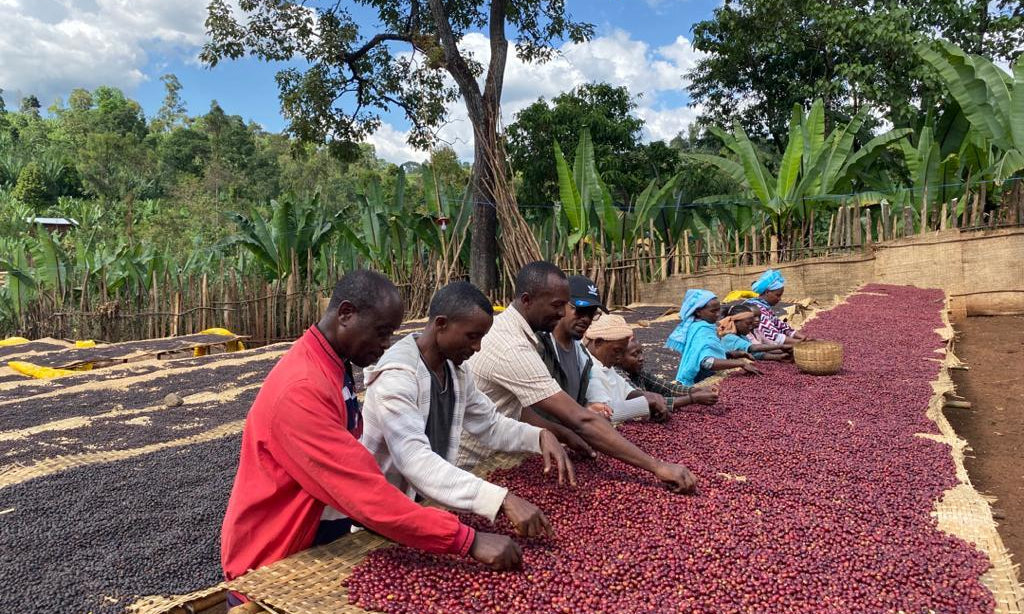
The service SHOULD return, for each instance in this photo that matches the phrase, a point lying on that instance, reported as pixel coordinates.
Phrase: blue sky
(53, 46)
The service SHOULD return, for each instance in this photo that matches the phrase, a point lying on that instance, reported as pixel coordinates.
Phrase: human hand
(704, 396)
(554, 453)
(658, 407)
(677, 478)
(499, 552)
(526, 517)
(602, 409)
(750, 369)
(577, 445)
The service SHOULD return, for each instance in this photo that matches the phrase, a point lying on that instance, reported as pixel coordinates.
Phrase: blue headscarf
(694, 339)
(692, 301)
(769, 280)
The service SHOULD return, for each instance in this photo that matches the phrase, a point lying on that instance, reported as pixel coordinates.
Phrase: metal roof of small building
(52, 221)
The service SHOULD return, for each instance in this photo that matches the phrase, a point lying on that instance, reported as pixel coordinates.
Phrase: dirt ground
(993, 348)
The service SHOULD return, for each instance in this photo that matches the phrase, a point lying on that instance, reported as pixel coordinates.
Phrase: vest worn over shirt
(550, 355)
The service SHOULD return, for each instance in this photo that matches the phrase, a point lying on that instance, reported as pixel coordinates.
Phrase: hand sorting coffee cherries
(816, 496)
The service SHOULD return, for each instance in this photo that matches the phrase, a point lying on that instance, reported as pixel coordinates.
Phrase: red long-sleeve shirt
(297, 455)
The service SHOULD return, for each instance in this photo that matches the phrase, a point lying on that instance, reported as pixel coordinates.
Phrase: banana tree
(992, 100)
(813, 166)
(295, 229)
(443, 221)
(20, 288)
(571, 202)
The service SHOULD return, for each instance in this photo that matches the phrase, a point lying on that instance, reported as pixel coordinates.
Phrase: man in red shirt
(300, 448)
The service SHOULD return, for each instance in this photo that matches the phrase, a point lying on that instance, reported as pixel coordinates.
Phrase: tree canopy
(171, 180)
(608, 112)
(406, 57)
(764, 56)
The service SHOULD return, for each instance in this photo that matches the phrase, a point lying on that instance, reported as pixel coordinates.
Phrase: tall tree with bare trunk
(346, 63)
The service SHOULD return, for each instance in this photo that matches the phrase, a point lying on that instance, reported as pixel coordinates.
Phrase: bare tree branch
(355, 56)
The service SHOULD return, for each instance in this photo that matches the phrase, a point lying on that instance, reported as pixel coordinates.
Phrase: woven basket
(818, 357)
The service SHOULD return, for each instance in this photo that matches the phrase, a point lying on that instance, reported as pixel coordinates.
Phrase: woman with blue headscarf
(769, 287)
(696, 338)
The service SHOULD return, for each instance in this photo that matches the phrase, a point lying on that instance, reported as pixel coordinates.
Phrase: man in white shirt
(606, 341)
(421, 398)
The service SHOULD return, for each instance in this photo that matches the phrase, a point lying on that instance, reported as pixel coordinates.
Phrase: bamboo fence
(282, 310)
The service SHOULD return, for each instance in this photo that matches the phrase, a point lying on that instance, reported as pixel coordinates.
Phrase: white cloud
(48, 47)
(665, 124)
(390, 144)
(617, 58)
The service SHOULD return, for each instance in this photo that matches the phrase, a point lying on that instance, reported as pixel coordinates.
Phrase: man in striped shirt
(509, 369)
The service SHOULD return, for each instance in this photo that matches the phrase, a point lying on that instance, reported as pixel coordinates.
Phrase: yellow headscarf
(727, 325)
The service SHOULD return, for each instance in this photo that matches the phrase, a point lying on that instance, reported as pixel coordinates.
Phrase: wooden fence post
(924, 210)
(176, 309)
(204, 302)
(686, 252)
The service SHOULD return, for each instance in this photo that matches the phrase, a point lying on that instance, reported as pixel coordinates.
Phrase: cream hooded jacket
(394, 431)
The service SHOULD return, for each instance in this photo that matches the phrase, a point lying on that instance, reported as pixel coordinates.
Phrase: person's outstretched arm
(602, 436)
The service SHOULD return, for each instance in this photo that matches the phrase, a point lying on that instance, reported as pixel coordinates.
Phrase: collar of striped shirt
(517, 322)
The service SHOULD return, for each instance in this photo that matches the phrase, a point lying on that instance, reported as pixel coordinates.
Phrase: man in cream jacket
(420, 397)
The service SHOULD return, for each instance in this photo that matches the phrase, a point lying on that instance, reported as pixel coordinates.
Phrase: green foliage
(184, 150)
(283, 244)
(172, 112)
(31, 187)
(991, 100)
(772, 54)
(421, 220)
(588, 208)
(813, 165)
(30, 106)
(606, 112)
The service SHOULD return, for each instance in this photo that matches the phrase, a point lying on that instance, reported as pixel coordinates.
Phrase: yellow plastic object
(739, 295)
(499, 308)
(231, 346)
(38, 372)
(12, 341)
(87, 343)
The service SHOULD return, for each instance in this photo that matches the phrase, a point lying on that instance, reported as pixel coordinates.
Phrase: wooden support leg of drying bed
(210, 603)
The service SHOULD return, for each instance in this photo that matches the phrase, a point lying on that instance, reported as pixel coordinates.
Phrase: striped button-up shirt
(508, 369)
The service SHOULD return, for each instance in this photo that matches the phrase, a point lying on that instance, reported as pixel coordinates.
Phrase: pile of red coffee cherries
(815, 496)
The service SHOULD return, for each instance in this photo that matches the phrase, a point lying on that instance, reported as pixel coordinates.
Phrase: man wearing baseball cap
(564, 355)
(575, 369)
